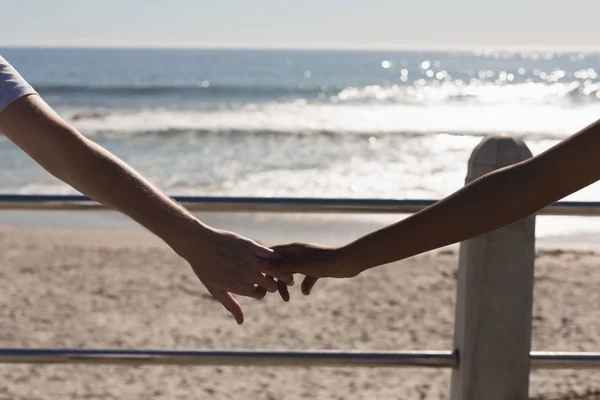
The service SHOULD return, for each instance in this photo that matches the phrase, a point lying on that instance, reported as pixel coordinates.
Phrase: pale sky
(544, 24)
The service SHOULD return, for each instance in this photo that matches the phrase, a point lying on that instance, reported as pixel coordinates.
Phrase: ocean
(304, 123)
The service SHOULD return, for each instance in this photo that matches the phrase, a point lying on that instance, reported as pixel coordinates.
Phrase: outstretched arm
(486, 204)
(226, 263)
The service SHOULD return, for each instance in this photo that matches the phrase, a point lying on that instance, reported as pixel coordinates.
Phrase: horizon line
(374, 47)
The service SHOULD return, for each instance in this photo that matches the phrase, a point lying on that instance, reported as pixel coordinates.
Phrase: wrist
(348, 259)
(189, 236)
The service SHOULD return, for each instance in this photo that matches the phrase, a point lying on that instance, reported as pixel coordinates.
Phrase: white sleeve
(12, 85)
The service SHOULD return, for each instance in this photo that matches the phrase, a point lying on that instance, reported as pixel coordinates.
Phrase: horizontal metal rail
(276, 205)
(321, 358)
(564, 360)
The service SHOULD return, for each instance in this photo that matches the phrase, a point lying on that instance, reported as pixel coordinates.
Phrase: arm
(486, 204)
(223, 261)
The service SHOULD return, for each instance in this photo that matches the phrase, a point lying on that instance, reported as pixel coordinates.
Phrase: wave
(536, 120)
(418, 93)
(200, 89)
(477, 92)
(228, 133)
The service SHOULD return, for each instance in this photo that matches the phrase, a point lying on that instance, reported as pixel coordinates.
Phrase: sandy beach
(122, 288)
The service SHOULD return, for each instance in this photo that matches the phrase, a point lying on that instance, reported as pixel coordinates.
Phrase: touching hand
(312, 260)
(227, 263)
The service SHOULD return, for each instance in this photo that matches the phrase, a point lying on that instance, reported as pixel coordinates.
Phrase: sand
(103, 288)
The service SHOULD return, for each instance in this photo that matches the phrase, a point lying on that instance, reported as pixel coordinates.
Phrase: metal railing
(276, 205)
(425, 359)
(431, 359)
(282, 358)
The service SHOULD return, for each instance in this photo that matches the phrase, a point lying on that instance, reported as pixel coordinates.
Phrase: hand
(227, 263)
(312, 260)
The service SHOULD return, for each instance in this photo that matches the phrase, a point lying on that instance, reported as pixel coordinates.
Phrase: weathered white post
(495, 295)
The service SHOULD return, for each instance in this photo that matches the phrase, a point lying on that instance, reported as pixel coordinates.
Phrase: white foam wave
(477, 92)
(518, 118)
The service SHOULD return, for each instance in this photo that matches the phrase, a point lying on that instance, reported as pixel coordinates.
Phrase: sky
(364, 24)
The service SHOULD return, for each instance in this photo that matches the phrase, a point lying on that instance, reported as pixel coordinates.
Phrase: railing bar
(427, 359)
(565, 360)
(275, 205)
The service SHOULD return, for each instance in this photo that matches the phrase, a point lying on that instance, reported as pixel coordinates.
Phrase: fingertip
(306, 288)
(239, 316)
(307, 284)
(260, 293)
(231, 305)
(283, 291)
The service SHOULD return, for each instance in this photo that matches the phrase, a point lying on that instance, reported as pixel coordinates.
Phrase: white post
(495, 295)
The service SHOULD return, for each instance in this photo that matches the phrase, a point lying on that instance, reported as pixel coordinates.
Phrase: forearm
(92, 170)
(488, 203)
(226, 263)
(101, 176)
(485, 205)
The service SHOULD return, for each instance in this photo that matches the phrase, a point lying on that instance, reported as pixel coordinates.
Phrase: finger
(260, 292)
(267, 282)
(230, 304)
(307, 284)
(283, 259)
(246, 291)
(282, 287)
(253, 291)
(280, 274)
(290, 265)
